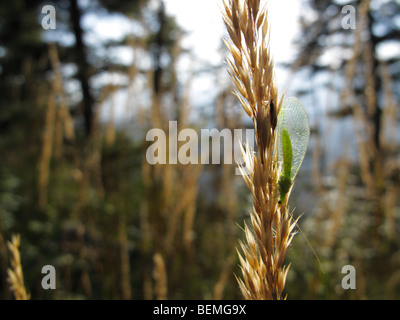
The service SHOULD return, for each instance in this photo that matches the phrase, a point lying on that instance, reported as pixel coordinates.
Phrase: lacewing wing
(293, 131)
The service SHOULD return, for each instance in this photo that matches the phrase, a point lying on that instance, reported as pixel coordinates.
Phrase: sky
(203, 19)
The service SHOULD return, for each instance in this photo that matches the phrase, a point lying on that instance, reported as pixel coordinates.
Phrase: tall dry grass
(58, 124)
(15, 273)
(227, 195)
(160, 277)
(251, 69)
(169, 206)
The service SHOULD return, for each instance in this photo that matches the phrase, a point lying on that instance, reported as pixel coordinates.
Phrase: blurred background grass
(76, 104)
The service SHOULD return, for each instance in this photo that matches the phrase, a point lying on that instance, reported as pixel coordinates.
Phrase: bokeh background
(76, 104)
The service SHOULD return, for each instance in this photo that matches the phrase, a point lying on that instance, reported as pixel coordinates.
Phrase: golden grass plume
(251, 69)
(15, 274)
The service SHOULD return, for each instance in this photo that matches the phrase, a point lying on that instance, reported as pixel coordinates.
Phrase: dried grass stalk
(160, 277)
(15, 274)
(364, 136)
(251, 69)
(47, 151)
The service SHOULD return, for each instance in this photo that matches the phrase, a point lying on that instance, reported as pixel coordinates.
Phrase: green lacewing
(293, 131)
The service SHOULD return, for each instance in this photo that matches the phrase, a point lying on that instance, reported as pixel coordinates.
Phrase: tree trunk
(83, 66)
